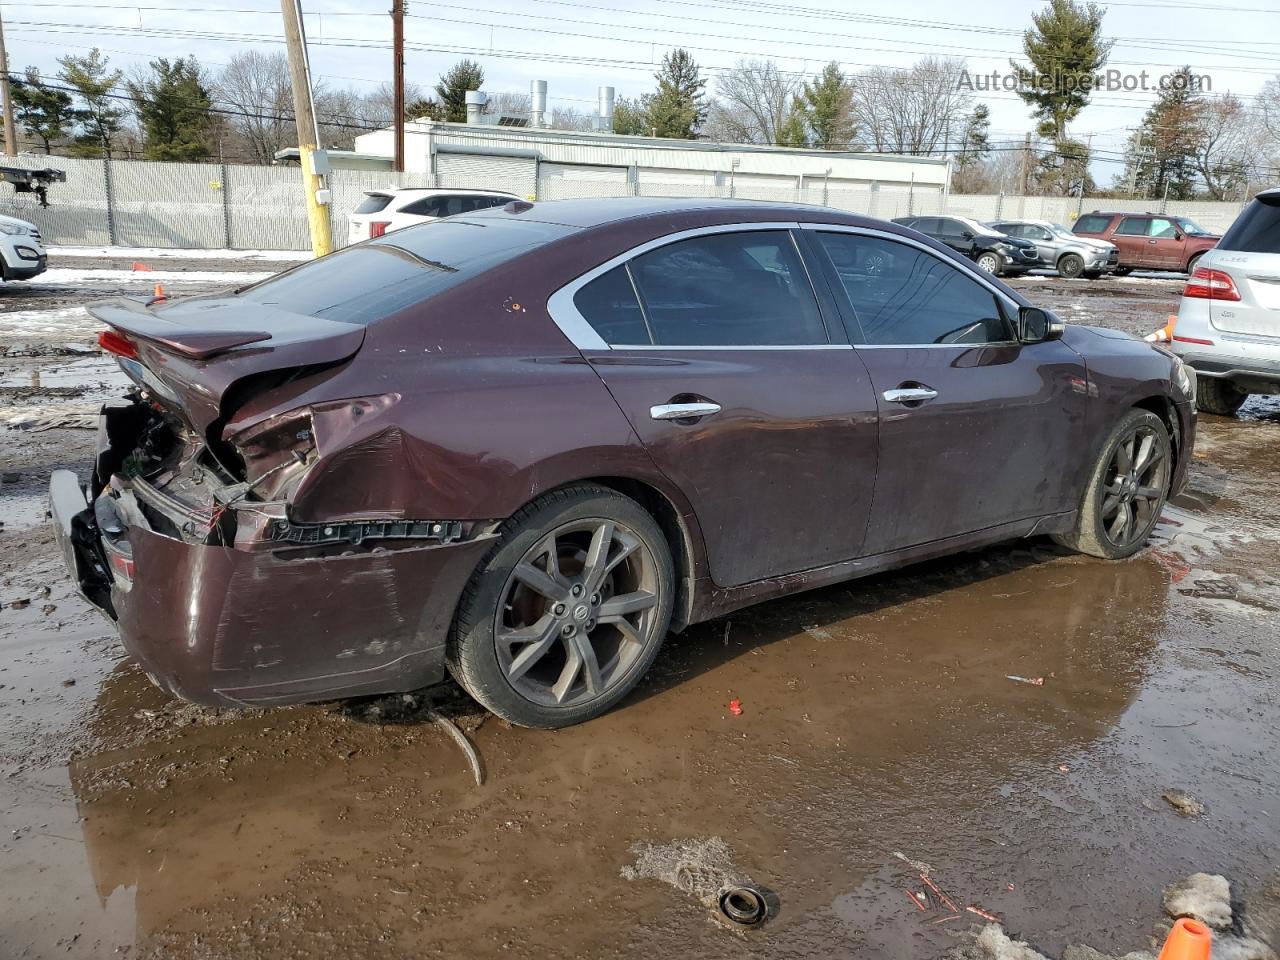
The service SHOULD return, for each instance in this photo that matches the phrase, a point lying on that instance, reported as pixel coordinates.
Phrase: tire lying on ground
(1126, 490)
(567, 611)
(1218, 396)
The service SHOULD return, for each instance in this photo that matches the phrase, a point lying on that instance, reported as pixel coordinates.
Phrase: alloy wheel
(988, 263)
(1134, 492)
(577, 612)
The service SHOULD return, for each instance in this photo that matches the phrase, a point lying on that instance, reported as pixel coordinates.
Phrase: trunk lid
(191, 353)
(1257, 279)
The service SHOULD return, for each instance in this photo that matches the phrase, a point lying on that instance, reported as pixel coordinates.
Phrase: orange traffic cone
(1188, 940)
(1165, 333)
(159, 293)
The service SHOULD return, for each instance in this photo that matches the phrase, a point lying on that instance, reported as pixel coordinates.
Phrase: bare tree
(571, 118)
(1226, 133)
(917, 110)
(341, 117)
(509, 102)
(755, 102)
(378, 107)
(255, 86)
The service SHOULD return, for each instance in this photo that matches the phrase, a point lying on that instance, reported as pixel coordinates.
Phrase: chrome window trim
(564, 312)
(1009, 304)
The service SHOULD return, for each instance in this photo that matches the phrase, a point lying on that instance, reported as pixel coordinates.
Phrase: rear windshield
(1257, 230)
(373, 202)
(372, 280)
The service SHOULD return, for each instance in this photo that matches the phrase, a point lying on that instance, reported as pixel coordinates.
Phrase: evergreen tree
(794, 131)
(452, 90)
(1164, 150)
(174, 110)
(101, 116)
(629, 118)
(677, 108)
(975, 143)
(44, 113)
(1066, 50)
(828, 108)
(427, 108)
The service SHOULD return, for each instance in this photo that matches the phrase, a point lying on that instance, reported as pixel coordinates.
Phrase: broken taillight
(117, 343)
(377, 228)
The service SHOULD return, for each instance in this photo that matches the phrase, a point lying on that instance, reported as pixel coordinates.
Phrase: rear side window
(1092, 224)
(609, 304)
(364, 283)
(929, 225)
(1133, 227)
(729, 289)
(373, 203)
(905, 296)
(1257, 230)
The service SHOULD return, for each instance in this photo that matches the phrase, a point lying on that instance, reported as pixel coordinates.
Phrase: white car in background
(1228, 325)
(382, 211)
(22, 255)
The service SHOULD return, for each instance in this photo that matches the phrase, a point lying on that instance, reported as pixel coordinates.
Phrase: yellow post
(308, 131)
(317, 212)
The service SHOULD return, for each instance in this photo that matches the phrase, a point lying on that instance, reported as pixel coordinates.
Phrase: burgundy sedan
(523, 445)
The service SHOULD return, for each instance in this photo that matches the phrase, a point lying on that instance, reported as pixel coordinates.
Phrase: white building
(541, 163)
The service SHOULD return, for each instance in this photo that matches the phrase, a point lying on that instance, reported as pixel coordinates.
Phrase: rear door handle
(683, 411)
(910, 394)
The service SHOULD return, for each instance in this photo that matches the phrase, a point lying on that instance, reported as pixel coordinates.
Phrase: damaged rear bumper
(283, 613)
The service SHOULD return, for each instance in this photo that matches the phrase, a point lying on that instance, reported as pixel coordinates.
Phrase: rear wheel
(1070, 265)
(1218, 396)
(1126, 490)
(989, 262)
(568, 611)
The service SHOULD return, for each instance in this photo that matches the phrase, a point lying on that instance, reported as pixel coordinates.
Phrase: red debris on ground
(735, 707)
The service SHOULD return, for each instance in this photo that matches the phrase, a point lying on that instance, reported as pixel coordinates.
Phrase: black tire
(1123, 271)
(1217, 396)
(1193, 263)
(497, 603)
(989, 262)
(1099, 529)
(1070, 265)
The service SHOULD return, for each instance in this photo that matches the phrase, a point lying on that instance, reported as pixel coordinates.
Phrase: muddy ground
(878, 718)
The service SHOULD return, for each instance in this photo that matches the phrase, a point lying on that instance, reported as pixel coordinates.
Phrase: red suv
(1150, 241)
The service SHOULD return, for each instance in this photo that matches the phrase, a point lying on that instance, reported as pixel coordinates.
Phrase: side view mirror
(967, 235)
(1177, 235)
(1036, 325)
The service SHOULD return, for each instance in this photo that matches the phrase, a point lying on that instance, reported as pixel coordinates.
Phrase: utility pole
(10, 133)
(1026, 165)
(397, 74)
(315, 162)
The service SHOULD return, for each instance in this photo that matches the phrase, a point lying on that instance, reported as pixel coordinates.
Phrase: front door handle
(683, 411)
(910, 394)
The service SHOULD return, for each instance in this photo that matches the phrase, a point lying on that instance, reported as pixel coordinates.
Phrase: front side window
(1133, 227)
(905, 296)
(728, 289)
(1165, 229)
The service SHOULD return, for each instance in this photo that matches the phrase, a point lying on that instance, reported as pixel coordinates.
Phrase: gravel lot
(878, 719)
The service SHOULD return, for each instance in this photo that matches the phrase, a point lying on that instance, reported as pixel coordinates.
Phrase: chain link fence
(135, 203)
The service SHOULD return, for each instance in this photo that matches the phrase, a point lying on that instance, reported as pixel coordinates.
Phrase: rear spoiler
(132, 317)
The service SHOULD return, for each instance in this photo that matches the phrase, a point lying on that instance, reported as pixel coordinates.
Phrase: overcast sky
(579, 45)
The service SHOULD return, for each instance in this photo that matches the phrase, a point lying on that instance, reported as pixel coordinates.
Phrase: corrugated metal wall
(135, 203)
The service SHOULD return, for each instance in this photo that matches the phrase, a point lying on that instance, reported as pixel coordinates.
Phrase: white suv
(1228, 325)
(22, 254)
(382, 211)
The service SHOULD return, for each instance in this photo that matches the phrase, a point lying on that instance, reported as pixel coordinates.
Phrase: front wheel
(989, 263)
(1218, 396)
(1123, 271)
(567, 613)
(1070, 266)
(1193, 263)
(1126, 490)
